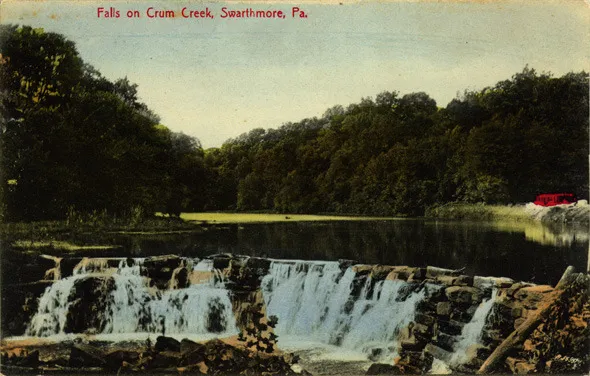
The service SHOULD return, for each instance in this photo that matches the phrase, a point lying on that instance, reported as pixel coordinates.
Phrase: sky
(218, 78)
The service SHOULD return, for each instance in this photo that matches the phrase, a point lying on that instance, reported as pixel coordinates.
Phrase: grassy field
(267, 218)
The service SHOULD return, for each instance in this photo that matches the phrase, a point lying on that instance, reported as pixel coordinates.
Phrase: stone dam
(404, 320)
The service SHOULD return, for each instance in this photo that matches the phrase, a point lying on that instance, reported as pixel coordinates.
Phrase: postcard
(294, 188)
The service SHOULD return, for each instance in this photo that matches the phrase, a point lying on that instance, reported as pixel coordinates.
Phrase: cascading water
(133, 306)
(472, 332)
(318, 301)
(53, 308)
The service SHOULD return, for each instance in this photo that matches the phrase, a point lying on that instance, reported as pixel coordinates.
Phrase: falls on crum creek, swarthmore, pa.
(387, 314)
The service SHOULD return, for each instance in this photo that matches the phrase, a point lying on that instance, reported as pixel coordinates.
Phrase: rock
(180, 278)
(31, 360)
(197, 368)
(160, 268)
(451, 327)
(422, 330)
(516, 312)
(167, 344)
(525, 368)
(345, 264)
(82, 355)
(518, 322)
(533, 293)
(447, 280)
(434, 272)
(361, 270)
(115, 359)
(400, 273)
(463, 294)
(165, 359)
(424, 319)
(443, 308)
(186, 346)
(380, 272)
(221, 261)
(382, 369)
(483, 283)
(192, 357)
(412, 344)
(92, 298)
(259, 265)
(418, 275)
(445, 341)
(463, 280)
(437, 352)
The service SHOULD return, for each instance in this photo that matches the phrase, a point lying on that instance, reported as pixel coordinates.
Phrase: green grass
(268, 218)
(480, 212)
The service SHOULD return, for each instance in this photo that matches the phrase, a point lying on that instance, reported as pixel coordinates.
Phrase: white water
(318, 305)
(53, 307)
(313, 301)
(134, 307)
(472, 332)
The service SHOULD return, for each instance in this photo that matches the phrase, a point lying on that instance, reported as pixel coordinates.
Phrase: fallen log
(527, 327)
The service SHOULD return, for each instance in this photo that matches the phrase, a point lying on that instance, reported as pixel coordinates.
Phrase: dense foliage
(73, 140)
(401, 154)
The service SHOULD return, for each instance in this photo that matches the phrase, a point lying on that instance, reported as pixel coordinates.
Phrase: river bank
(578, 213)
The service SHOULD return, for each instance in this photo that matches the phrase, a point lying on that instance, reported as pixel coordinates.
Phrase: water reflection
(521, 250)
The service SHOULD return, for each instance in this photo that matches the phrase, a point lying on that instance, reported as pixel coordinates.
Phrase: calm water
(529, 252)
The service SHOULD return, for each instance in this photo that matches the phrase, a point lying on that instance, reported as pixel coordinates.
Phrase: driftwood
(527, 327)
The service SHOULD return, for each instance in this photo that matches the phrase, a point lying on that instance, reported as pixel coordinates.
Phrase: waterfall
(53, 308)
(472, 332)
(133, 306)
(316, 301)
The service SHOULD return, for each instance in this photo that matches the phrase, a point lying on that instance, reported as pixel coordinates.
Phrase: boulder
(424, 319)
(116, 359)
(160, 268)
(259, 265)
(361, 270)
(463, 294)
(380, 272)
(463, 280)
(186, 346)
(167, 344)
(418, 275)
(412, 344)
(82, 355)
(443, 309)
(382, 369)
(91, 297)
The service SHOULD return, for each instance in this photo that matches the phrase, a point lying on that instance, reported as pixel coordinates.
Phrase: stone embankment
(442, 320)
(578, 213)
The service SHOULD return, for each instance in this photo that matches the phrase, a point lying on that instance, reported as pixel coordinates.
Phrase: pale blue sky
(215, 79)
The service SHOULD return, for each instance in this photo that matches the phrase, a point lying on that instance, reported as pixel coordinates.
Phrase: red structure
(552, 199)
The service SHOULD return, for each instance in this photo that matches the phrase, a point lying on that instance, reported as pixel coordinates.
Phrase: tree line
(73, 140)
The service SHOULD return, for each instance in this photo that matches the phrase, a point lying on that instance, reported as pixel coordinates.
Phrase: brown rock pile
(214, 357)
(561, 343)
